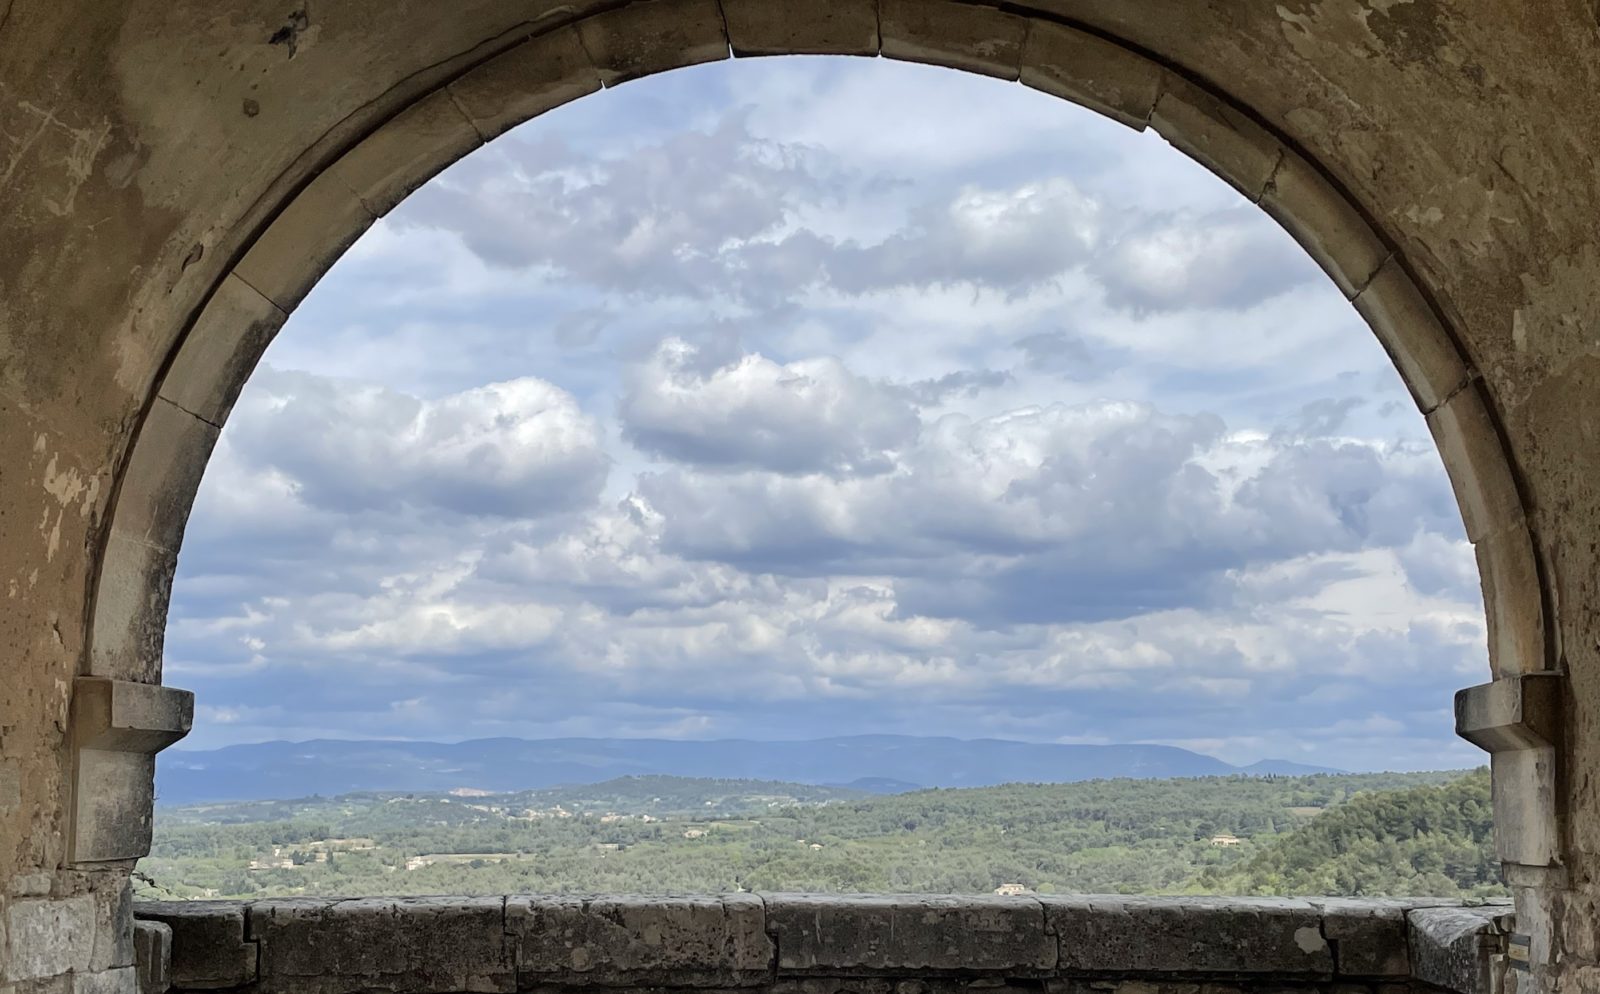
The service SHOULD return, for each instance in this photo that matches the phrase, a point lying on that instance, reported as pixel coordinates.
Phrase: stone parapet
(1461, 949)
(826, 944)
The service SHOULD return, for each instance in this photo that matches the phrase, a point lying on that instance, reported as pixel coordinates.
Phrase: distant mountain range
(875, 763)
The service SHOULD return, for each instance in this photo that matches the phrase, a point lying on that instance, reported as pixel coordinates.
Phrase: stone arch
(367, 166)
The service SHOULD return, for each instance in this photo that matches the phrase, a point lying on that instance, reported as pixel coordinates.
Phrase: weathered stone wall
(822, 944)
(175, 174)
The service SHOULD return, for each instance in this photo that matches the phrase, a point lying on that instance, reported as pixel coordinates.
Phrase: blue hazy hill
(879, 763)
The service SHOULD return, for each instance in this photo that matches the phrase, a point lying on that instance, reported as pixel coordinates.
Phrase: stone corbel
(1518, 720)
(118, 726)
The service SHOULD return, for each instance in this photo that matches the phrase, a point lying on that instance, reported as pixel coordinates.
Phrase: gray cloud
(1061, 514)
(903, 537)
(720, 212)
(518, 448)
(1227, 259)
(813, 416)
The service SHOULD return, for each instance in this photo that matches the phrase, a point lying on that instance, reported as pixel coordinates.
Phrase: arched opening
(343, 196)
(1068, 272)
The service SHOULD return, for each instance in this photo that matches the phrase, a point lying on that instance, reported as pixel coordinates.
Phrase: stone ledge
(152, 947)
(827, 944)
(1459, 949)
(208, 947)
(828, 935)
(1166, 935)
(408, 944)
(667, 941)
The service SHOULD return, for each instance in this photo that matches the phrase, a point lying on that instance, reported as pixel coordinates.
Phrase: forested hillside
(1420, 833)
(1426, 840)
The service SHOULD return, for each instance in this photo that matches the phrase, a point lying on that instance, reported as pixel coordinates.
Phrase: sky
(802, 397)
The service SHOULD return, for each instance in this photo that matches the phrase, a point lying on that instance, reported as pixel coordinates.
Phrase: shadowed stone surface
(1457, 948)
(1176, 935)
(824, 944)
(670, 941)
(209, 950)
(826, 934)
(152, 944)
(416, 944)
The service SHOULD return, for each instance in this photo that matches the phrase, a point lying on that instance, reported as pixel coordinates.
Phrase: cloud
(1008, 239)
(662, 218)
(808, 416)
(722, 213)
(961, 383)
(1226, 259)
(1060, 513)
(518, 448)
(1056, 352)
(656, 422)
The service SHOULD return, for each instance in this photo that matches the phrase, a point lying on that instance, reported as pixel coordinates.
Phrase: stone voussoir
(825, 934)
(1325, 224)
(802, 27)
(645, 38)
(538, 75)
(1092, 72)
(1470, 447)
(407, 151)
(954, 35)
(1217, 135)
(221, 350)
(1429, 362)
(1181, 935)
(666, 941)
(312, 231)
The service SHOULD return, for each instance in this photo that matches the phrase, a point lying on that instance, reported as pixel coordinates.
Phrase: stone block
(1091, 71)
(802, 27)
(418, 945)
(122, 980)
(113, 932)
(1512, 713)
(60, 984)
(127, 716)
(406, 151)
(1325, 224)
(1411, 333)
(1368, 937)
(1513, 605)
(164, 470)
(130, 616)
(921, 984)
(1216, 135)
(117, 728)
(1525, 805)
(152, 949)
(1453, 948)
(163, 473)
(668, 941)
(209, 949)
(49, 936)
(653, 36)
(1134, 935)
(220, 350)
(824, 934)
(956, 35)
(1476, 463)
(308, 235)
(540, 74)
